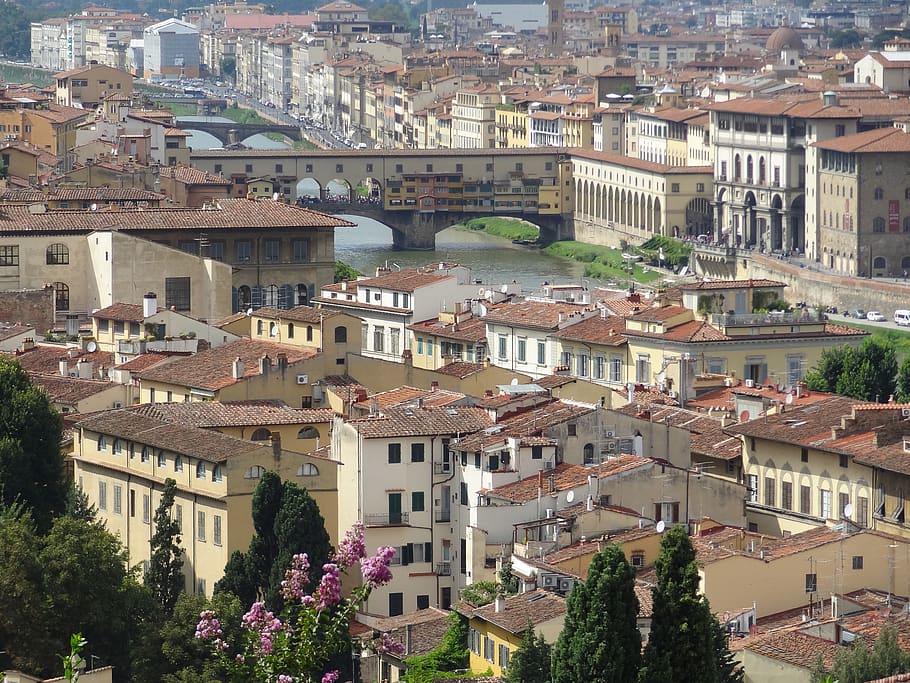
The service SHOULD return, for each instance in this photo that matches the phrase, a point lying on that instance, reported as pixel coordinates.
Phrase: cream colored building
(122, 459)
(87, 86)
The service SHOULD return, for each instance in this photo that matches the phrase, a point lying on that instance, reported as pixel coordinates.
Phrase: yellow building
(454, 337)
(88, 85)
(511, 126)
(495, 630)
(318, 329)
(122, 459)
(47, 126)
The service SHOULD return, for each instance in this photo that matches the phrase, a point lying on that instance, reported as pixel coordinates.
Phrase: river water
(492, 259)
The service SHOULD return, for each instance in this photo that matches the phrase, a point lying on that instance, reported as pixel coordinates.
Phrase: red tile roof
(425, 421)
(545, 315)
(208, 414)
(127, 312)
(537, 607)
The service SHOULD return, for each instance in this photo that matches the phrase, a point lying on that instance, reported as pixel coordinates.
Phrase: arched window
(879, 193)
(244, 297)
(58, 255)
(308, 433)
(217, 473)
(303, 295)
(273, 329)
(117, 448)
(260, 327)
(907, 224)
(200, 470)
(341, 335)
(162, 459)
(290, 330)
(270, 295)
(749, 169)
(907, 193)
(102, 443)
(261, 434)
(146, 454)
(589, 453)
(178, 463)
(878, 224)
(761, 170)
(309, 333)
(254, 472)
(62, 296)
(905, 263)
(879, 263)
(308, 469)
(737, 168)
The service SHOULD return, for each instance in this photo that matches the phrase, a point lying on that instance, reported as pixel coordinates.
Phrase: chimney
(407, 639)
(276, 445)
(500, 604)
(562, 316)
(237, 368)
(85, 369)
(434, 385)
(149, 305)
(282, 361)
(264, 364)
(63, 368)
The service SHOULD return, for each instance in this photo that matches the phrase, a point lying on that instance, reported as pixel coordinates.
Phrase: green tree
(600, 641)
(31, 464)
(450, 655)
(831, 364)
(345, 272)
(728, 669)
(845, 39)
(287, 521)
(228, 66)
(868, 373)
(507, 579)
(165, 573)
(480, 593)
(683, 643)
(389, 11)
(903, 382)
(860, 663)
(531, 663)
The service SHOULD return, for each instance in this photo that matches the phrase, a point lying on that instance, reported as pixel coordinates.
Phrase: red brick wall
(30, 307)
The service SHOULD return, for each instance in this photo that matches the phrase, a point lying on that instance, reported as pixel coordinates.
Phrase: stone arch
(309, 189)
(649, 215)
(604, 203)
(777, 235)
(611, 213)
(698, 216)
(658, 222)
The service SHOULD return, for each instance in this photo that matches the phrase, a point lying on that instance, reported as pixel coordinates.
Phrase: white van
(902, 317)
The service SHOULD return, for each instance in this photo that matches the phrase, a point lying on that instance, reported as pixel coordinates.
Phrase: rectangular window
(200, 526)
(843, 500)
(177, 293)
(522, 349)
(9, 254)
(811, 583)
(804, 455)
(216, 250)
(488, 649)
(503, 346)
(752, 487)
(102, 495)
(417, 504)
(146, 509)
(430, 347)
(862, 511)
(132, 502)
(216, 529)
(503, 656)
(394, 453)
(463, 494)
(825, 504)
(786, 495)
(419, 346)
(615, 369)
(541, 352)
(396, 604)
(769, 491)
(300, 250)
(805, 499)
(243, 251)
(857, 561)
(581, 365)
(643, 369)
(417, 452)
(600, 364)
(118, 502)
(271, 251)
(378, 339)
(178, 516)
(423, 601)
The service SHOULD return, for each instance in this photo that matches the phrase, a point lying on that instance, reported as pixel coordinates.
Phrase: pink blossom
(262, 621)
(284, 678)
(375, 569)
(386, 644)
(329, 590)
(352, 548)
(208, 627)
(330, 677)
(296, 577)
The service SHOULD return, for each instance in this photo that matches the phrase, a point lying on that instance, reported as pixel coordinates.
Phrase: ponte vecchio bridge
(568, 193)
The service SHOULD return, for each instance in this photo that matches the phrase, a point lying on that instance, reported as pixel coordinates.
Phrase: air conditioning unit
(905, 412)
(549, 580)
(565, 585)
(609, 433)
(673, 394)
(750, 383)
(303, 379)
(548, 464)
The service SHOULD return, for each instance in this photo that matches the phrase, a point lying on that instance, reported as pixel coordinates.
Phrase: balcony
(386, 519)
(771, 318)
(443, 516)
(131, 348)
(444, 569)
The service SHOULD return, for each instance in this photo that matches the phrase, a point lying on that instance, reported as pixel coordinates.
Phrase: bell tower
(555, 11)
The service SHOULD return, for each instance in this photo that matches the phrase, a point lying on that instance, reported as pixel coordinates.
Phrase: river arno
(492, 259)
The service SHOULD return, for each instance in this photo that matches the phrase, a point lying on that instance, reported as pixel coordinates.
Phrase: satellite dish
(514, 382)
(789, 399)
(744, 416)
(848, 510)
(661, 526)
(93, 207)
(275, 197)
(570, 497)
(91, 347)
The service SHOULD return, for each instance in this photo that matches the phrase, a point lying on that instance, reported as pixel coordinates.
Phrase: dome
(784, 38)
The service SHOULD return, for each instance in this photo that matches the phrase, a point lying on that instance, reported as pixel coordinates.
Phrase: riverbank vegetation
(509, 228)
(604, 263)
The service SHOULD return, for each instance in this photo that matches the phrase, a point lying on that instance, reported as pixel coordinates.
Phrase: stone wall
(33, 307)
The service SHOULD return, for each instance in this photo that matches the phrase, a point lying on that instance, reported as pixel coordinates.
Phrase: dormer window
(906, 444)
(200, 470)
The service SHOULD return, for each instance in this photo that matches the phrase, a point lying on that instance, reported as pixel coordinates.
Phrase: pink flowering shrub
(313, 625)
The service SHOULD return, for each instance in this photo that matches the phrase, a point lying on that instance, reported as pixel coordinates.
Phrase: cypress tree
(531, 663)
(600, 641)
(165, 574)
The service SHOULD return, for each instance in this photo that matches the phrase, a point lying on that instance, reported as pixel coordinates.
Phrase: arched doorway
(797, 225)
(777, 235)
(749, 237)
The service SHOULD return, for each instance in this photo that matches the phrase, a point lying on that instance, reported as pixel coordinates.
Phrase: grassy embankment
(899, 338)
(603, 263)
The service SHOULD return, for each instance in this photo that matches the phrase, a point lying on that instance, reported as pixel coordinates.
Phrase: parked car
(875, 317)
(859, 314)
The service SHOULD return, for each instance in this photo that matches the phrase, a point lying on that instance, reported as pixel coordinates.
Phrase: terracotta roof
(660, 313)
(418, 632)
(639, 164)
(212, 369)
(877, 141)
(470, 330)
(596, 330)
(127, 312)
(229, 319)
(543, 315)
(565, 477)
(426, 421)
(537, 606)
(228, 213)
(405, 280)
(460, 370)
(177, 438)
(83, 194)
(707, 436)
(143, 361)
(533, 422)
(208, 414)
(642, 396)
(409, 395)
(69, 389)
(46, 359)
(795, 648)
(10, 331)
(728, 284)
(192, 176)
(303, 314)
